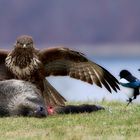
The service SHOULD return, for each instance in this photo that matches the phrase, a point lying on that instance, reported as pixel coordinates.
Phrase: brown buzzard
(28, 63)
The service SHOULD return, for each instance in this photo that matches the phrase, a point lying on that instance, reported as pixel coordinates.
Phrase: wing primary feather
(112, 84)
(94, 77)
(111, 79)
(103, 81)
(107, 79)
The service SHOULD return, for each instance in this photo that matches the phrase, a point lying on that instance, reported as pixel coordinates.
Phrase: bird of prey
(129, 81)
(27, 63)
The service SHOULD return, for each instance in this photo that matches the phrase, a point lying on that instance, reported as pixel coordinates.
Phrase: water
(76, 90)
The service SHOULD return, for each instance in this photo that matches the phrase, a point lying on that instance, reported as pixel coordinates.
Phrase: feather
(27, 63)
(52, 96)
(64, 61)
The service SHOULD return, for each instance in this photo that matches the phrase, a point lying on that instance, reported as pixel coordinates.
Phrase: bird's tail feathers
(52, 96)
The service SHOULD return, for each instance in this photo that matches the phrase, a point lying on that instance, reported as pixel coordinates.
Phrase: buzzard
(25, 62)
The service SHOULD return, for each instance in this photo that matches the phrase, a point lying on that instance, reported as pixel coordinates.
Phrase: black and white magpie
(129, 81)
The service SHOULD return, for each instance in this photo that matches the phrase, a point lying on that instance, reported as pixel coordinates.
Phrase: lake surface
(76, 90)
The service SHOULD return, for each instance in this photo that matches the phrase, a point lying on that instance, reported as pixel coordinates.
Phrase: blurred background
(108, 32)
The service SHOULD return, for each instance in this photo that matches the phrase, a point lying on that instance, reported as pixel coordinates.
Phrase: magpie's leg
(129, 101)
(134, 97)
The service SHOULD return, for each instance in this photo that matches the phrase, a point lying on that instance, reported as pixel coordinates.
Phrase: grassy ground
(120, 123)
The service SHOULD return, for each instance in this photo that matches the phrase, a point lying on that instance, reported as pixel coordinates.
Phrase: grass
(116, 123)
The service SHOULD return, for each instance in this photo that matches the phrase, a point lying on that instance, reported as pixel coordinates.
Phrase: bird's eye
(28, 44)
(21, 44)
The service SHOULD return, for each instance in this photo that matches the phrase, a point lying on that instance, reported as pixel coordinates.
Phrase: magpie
(129, 81)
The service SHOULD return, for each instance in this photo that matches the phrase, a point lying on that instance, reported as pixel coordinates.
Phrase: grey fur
(21, 98)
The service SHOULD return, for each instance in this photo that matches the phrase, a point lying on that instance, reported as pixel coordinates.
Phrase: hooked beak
(24, 46)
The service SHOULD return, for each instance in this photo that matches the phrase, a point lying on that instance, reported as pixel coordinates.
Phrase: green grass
(120, 123)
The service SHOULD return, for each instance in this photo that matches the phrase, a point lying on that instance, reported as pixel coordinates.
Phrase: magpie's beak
(138, 69)
(24, 46)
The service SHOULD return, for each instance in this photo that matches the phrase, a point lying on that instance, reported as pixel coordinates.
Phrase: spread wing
(3, 55)
(63, 61)
(4, 74)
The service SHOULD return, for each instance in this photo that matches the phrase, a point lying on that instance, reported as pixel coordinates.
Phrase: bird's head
(124, 73)
(24, 42)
